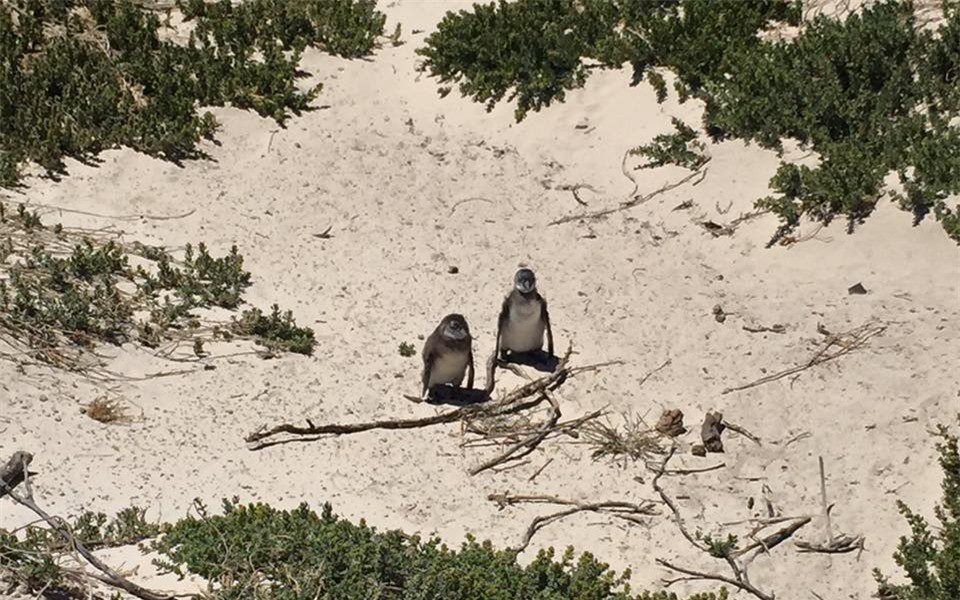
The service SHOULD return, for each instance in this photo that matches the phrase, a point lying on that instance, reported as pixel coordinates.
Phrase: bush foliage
(81, 76)
(255, 551)
(64, 291)
(873, 94)
(929, 557)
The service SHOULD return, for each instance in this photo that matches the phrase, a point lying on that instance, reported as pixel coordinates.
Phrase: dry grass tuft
(634, 440)
(107, 410)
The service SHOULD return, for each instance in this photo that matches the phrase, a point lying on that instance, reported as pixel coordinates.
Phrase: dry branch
(848, 342)
(739, 579)
(627, 511)
(110, 576)
(635, 200)
(513, 401)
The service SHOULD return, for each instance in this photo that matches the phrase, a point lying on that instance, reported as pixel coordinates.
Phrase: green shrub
(63, 291)
(680, 148)
(255, 551)
(931, 558)
(80, 76)
(872, 94)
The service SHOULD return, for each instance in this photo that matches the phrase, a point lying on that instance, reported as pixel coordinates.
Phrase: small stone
(43, 398)
(671, 423)
(453, 270)
(698, 450)
(856, 288)
(710, 432)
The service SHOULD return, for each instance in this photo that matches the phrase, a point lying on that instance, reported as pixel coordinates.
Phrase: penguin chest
(449, 367)
(524, 328)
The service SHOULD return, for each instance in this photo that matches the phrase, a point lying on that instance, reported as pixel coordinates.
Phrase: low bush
(81, 76)
(872, 95)
(64, 291)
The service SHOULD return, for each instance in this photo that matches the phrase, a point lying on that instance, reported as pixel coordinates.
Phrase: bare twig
(526, 445)
(742, 431)
(634, 199)
(699, 575)
(661, 470)
(777, 328)
(510, 402)
(111, 577)
(663, 366)
(840, 544)
(823, 500)
(848, 342)
(716, 467)
(774, 539)
(627, 511)
(466, 200)
(540, 470)
(575, 188)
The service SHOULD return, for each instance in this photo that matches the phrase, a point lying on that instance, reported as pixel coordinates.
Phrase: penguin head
(454, 327)
(525, 281)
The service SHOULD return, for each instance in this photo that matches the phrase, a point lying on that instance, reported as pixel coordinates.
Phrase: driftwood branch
(110, 576)
(627, 511)
(847, 342)
(510, 402)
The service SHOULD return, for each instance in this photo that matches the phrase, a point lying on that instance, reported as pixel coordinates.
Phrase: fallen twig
(627, 511)
(699, 575)
(776, 328)
(848, 342)
(663, 366)
(511, 402)
(742, 431)
(110, 576)
(739, 578)
(575, 189)
(540, 470)
(634, 199)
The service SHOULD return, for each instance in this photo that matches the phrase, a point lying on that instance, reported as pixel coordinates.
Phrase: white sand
(390, 167)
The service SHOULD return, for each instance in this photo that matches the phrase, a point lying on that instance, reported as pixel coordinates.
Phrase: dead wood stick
(509, 402)
(540, 470)
(112, 578)
(669, 502)
(628, 511)
(654, 372)
(819, 358)
(742, 431)
(774, 539)
(699, 575)
(823, 501)
(528, 444)
(634, 199)
(841, 544)
(693, 471)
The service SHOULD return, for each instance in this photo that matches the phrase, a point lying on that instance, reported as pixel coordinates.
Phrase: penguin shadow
(538, 359)
(457, 396)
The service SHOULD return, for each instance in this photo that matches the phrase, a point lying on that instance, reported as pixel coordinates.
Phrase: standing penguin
(447, 355)
(523, 318)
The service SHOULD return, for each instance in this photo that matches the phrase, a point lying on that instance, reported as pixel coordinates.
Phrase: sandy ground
(412, 184)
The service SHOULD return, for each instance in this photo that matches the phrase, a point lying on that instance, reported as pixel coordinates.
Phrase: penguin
(523, 318)
(447, 355)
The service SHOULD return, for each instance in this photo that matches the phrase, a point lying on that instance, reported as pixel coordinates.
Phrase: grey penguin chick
(448, 355)
(523, 318)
